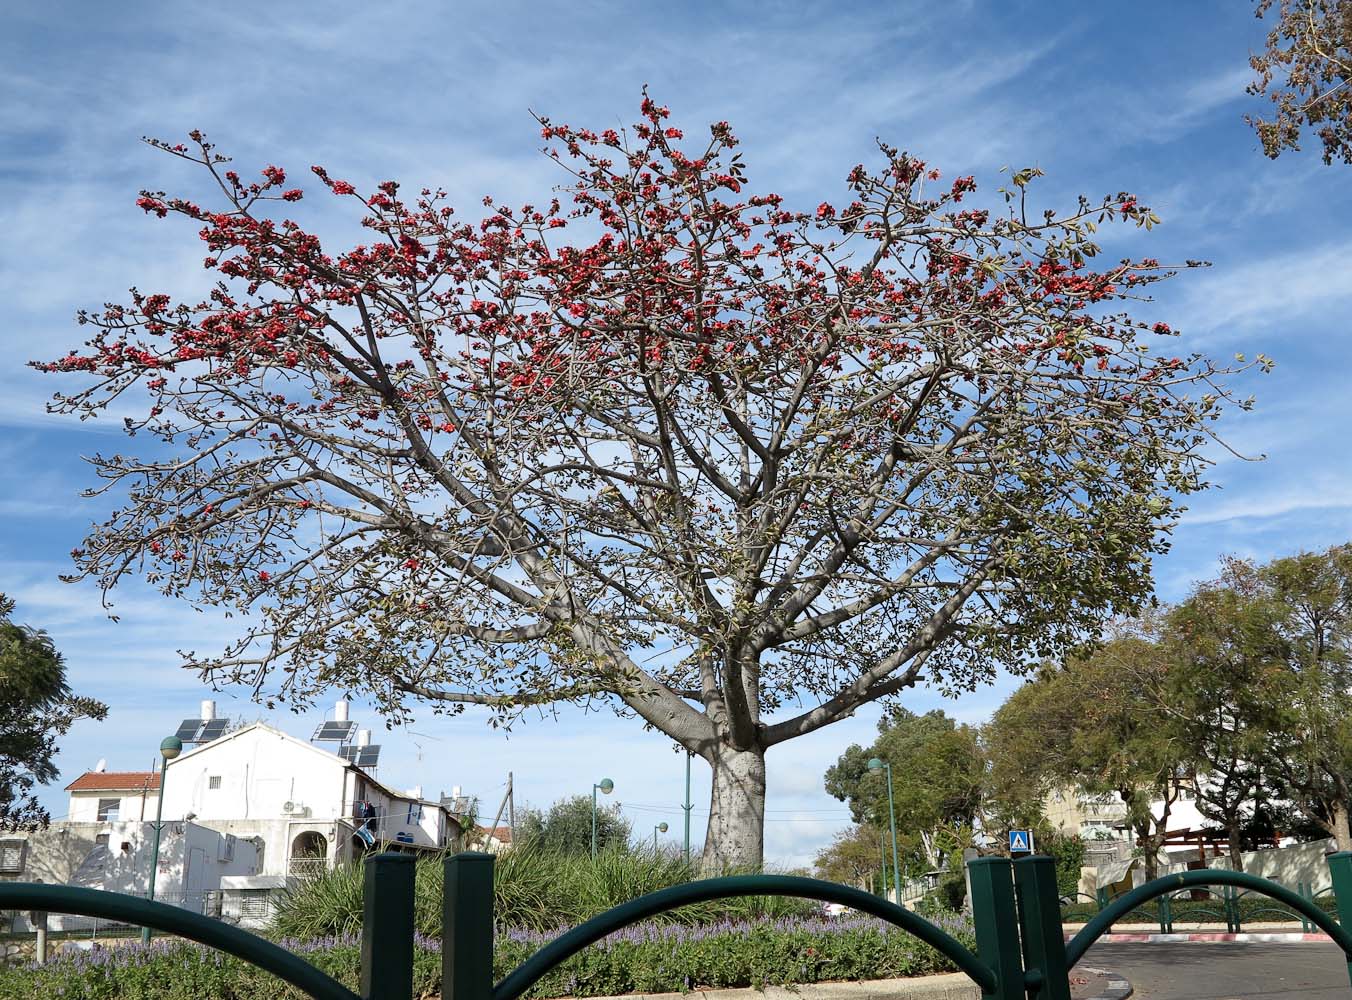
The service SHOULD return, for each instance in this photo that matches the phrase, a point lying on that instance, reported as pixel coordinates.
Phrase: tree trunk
(1340, 827)
(1235, 844)
(736, 834)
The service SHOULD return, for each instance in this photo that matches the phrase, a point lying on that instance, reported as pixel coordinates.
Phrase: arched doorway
(309, 854)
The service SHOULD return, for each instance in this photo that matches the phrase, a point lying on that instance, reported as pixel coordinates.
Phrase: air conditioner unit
(295, 809)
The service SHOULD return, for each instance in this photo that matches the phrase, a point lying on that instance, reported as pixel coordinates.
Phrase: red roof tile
(116, 781)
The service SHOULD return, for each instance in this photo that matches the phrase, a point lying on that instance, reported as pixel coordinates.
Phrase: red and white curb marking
(1214, 937)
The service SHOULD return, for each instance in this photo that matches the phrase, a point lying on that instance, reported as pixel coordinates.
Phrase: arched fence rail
(1021, 950)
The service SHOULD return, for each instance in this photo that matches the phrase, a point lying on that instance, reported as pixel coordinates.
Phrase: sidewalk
(1287, 932)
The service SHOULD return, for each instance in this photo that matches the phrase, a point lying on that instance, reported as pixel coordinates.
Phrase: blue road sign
(1020, 841)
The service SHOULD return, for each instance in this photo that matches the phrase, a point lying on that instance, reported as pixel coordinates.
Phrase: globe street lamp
(659, 828)
(876, 764)
(606, 786)
(170, 747)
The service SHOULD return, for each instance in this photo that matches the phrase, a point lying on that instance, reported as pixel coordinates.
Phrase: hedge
(1253, 908)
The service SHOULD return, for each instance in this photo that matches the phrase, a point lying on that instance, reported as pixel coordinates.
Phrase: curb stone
(948, 986)
(1117, 988)
(1213, 937)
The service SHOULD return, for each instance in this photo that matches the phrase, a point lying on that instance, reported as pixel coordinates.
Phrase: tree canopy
(1305, 68)
(735, 467)
(37, 708)
(566, 827)
(938, 771)
(1093, 724)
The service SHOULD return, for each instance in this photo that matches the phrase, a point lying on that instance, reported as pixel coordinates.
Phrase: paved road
(1227, 971)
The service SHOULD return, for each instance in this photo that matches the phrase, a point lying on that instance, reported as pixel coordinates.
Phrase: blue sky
(439, 95)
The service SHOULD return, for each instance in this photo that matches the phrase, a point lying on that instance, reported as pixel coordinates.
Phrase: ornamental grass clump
(534, 889)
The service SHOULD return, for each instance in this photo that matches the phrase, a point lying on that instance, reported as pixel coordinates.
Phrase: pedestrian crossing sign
(1020, 841)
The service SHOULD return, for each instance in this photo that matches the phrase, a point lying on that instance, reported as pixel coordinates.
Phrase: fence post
(996, 919)
(467, 928)
(1306, 891)
(40, 945)
(1044, 939)
(1166, 915)
(1340, 871)
(387, 927)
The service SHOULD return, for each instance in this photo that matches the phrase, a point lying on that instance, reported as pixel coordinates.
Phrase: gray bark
(736, 833)
(1340, 827)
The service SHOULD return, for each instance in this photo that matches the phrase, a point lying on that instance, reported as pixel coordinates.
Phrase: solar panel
(212, 729)
(368, 755)
(340, 732)
(187, 729)
(349, 752)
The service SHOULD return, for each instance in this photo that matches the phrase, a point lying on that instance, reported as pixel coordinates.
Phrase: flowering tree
(1305, 68)
(735, 469)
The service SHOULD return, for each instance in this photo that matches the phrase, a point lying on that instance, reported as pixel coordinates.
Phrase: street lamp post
(659, 828)
(687, 807)
(877, 764)
(170, 747)
(606, 786)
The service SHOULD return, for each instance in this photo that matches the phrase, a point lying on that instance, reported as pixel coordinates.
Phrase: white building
(311, 807)
(244, 815)
(115, 855)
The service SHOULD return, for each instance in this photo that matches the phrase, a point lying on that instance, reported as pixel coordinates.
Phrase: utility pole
(493, 830)
(511, 808)
(689, 756)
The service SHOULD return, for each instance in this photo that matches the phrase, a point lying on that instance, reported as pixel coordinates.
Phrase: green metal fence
(1021, 950)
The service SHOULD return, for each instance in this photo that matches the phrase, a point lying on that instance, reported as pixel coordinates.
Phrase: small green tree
(854, 857)
(937, 773)
(567, 827)
(36, 709)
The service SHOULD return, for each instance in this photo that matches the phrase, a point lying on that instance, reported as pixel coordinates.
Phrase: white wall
(259, 770)
(192, 861)
(1288, 865)
(132, 806)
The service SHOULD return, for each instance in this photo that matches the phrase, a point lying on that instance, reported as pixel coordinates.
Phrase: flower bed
(648, 958)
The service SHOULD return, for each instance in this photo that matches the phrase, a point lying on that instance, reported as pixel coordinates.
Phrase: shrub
(1253, 907)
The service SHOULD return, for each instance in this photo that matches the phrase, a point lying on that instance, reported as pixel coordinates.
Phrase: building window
(254, 903)
(214, 781)
(108, 810)
(12, 856)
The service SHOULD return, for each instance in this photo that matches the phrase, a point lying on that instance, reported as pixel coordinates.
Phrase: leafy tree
(567, 827)
(1306, 70)
(854, 856)
(1311, 742)
(1224, 684)
(37, 708)
(1094, 725)
(937, 772)
(678, 447)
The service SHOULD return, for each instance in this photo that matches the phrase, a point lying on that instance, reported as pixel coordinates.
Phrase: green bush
(1253, 908)
(646, 958)
(534, 889)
